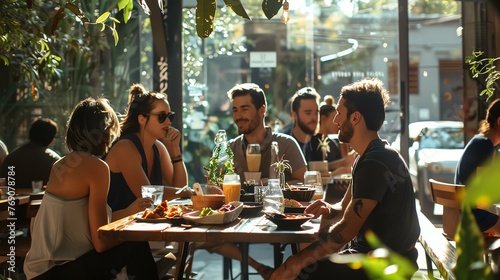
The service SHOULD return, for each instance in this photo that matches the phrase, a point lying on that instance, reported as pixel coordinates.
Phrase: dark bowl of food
(251, 209)
(289, 221)
(299, 193)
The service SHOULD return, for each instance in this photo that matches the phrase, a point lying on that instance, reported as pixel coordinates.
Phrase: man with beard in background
(249, 111)
(305, 112)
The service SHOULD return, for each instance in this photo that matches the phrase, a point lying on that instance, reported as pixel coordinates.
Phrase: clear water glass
(259, 192)
(313, 179)
(153, 191)
(273, 198)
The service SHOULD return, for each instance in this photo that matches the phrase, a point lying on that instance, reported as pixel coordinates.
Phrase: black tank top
(120, 196)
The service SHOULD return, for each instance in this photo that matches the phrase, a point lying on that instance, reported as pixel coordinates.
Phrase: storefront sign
(262, 59)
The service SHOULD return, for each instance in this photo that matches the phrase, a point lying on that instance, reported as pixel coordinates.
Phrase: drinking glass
(253, 157)
(231, 187)
(153, 191)
(37, 186)
(313, 179)
(273, 198)
(259, 192)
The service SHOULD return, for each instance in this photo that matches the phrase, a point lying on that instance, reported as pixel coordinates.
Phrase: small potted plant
(324, 146)
(280, 166)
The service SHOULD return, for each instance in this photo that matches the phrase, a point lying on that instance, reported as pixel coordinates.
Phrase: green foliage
(32, 36)
(470, 262)
(24, 42)
(482, 191)
(382, 263)
(444, 7)
(237, 8)
(484, 68)
(205, 14)
(271, 7)
(86, 65)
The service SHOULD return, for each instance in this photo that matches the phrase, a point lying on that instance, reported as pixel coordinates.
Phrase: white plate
(218, 218)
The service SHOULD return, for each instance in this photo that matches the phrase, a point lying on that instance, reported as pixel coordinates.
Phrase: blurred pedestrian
(33, 160)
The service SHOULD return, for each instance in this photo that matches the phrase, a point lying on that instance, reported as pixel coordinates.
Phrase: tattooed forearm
(358, 206)
(336, 234)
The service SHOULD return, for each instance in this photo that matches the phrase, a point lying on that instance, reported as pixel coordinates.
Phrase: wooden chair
(447, 195)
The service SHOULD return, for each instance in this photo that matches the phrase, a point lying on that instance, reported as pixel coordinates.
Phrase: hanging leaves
(56, 19)
(271, 7)
(484, 68)
(205, 14)
(237, 8)
(75, 10)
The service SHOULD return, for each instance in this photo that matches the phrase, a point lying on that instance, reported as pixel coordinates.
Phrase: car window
(441, 138)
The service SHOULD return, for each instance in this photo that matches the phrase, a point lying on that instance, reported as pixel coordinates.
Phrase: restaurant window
(413, 77)
(326, 45)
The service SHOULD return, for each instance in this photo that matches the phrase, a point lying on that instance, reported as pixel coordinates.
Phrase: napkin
(147, 226)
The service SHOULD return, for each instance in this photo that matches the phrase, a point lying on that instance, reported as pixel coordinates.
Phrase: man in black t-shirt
(380, 198)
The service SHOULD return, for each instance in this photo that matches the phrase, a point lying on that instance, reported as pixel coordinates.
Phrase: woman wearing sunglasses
(147, 153)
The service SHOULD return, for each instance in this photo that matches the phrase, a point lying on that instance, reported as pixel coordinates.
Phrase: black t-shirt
(381, 174)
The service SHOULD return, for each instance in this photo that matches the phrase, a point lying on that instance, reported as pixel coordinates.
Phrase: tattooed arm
(339, 234)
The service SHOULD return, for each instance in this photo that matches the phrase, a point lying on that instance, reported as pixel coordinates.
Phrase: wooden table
(243, 231)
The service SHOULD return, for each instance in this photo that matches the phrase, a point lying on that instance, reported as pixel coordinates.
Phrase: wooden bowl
(213, 201)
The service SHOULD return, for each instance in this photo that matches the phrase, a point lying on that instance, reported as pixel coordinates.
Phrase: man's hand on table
(320, 207)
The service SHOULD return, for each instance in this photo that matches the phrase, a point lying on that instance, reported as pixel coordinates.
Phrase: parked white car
(435, 148)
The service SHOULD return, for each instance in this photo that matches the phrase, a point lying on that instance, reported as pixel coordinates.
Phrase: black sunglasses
(163, 116)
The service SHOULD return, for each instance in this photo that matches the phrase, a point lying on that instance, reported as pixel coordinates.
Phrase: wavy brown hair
(256, 93)
(92, 127)
(369, 97)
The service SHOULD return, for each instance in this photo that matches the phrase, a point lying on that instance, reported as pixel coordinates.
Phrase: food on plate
(294, 216)
(174, 211)
(166, 211)
(292, 203)
(207, 211)
(226, 208)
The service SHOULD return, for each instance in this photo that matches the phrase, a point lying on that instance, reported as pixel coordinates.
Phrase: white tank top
(61, 233)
